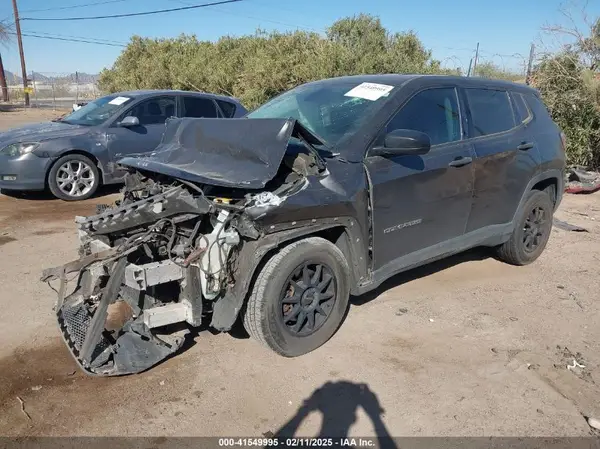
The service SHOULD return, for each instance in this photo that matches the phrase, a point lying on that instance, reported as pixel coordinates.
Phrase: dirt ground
(468, 346)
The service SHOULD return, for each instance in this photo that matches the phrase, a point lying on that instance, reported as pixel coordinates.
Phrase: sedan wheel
(73, 177)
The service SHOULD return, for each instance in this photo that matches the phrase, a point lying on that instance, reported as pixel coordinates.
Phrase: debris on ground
(594, 423)
(23, 408)
(580, 180)
(36, 388)
(567, 226)
(574, 363)
(401, 311)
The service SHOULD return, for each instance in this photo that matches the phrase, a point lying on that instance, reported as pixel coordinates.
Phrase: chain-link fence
(54, 90)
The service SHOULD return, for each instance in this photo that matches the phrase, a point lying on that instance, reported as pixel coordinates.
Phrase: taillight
(563, 139)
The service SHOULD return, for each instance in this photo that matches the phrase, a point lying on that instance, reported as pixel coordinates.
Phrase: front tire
(532, 231)
(299, 298)
(74, 177)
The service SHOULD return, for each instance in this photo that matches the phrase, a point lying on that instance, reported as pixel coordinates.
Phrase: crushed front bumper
(98, 345)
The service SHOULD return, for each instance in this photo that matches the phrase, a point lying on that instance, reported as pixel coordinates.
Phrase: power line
(100, 40)
(60, 8)
(145, 13)
(224, 11)
(69, 40)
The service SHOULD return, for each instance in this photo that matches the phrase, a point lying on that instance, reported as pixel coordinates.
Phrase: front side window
(198, 107)
(153, 111)
(434, 112)
(491, 111)
(98, 111)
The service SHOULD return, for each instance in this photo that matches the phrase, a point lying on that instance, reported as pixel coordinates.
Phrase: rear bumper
(27, 172)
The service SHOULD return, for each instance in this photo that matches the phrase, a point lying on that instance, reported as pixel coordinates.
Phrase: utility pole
(20, 42)
(474, 62)
(530, 64)
(3, 85)
(470, 65)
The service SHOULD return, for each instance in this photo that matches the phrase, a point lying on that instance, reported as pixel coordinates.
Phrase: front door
(422, 201)
(152, 114)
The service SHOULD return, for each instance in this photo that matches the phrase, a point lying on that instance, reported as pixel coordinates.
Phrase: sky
(504, 29)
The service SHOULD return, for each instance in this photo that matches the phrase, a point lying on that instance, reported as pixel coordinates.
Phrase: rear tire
(295, 306)
(532, 230)
(73, 177)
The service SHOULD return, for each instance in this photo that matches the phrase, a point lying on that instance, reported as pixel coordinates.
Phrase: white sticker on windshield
(118, 100)
(370, 91)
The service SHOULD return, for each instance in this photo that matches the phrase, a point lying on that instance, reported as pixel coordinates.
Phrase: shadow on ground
(338, 403)
(45, 195)
(238, 331)
(423, 271)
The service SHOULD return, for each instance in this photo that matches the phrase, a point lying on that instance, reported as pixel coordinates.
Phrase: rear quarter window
(522, 112)
(491, 111)
(227, 108)
(537, 106)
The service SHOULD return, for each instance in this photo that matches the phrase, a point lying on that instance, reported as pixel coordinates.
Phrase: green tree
(257, 67)
(572, 93)
(491, 71)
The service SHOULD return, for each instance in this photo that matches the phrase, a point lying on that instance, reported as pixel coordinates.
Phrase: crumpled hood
(40, 132)
(244, 153)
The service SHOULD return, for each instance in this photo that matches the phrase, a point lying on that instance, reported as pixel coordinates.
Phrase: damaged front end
(157, 262)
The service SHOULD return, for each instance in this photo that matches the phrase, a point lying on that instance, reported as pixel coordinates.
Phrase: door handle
(525, 146)
(461, 161)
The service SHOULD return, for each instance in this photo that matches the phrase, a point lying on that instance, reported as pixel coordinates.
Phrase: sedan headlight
(19, 149)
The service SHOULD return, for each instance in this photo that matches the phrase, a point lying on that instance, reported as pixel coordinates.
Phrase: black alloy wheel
(308, 298)
(534, 229)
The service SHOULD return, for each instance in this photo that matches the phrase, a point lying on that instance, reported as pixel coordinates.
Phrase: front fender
(92, 146)
(254, 254)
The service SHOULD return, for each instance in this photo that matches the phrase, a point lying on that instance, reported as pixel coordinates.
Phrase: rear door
(421, 201)
(506, 154)
(152, 114)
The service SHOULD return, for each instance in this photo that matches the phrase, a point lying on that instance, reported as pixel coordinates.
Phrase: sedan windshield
(331, 110)
(98, 111)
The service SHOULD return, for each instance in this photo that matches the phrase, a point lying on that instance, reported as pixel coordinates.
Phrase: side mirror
(403, 142)
(129, 121)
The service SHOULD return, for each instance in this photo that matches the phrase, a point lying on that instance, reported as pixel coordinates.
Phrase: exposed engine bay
(158, 260)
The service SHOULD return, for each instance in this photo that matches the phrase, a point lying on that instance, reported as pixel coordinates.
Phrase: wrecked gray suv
(325, 191)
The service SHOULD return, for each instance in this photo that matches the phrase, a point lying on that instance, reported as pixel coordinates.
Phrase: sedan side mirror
(403, 142)
(129, 121)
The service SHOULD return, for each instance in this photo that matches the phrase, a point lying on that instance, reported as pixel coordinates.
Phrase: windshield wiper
(326, 152)
(321, 165)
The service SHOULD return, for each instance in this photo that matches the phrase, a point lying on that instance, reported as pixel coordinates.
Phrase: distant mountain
(80, 77)
(11, 78)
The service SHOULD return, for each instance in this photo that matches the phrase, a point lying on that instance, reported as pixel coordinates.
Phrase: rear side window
(521, 110)
(434, 112)
(491, 111)
(199, 107)
(227, 108)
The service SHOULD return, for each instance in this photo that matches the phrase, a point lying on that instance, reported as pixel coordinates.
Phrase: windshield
(329, 110)
(98, 111)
